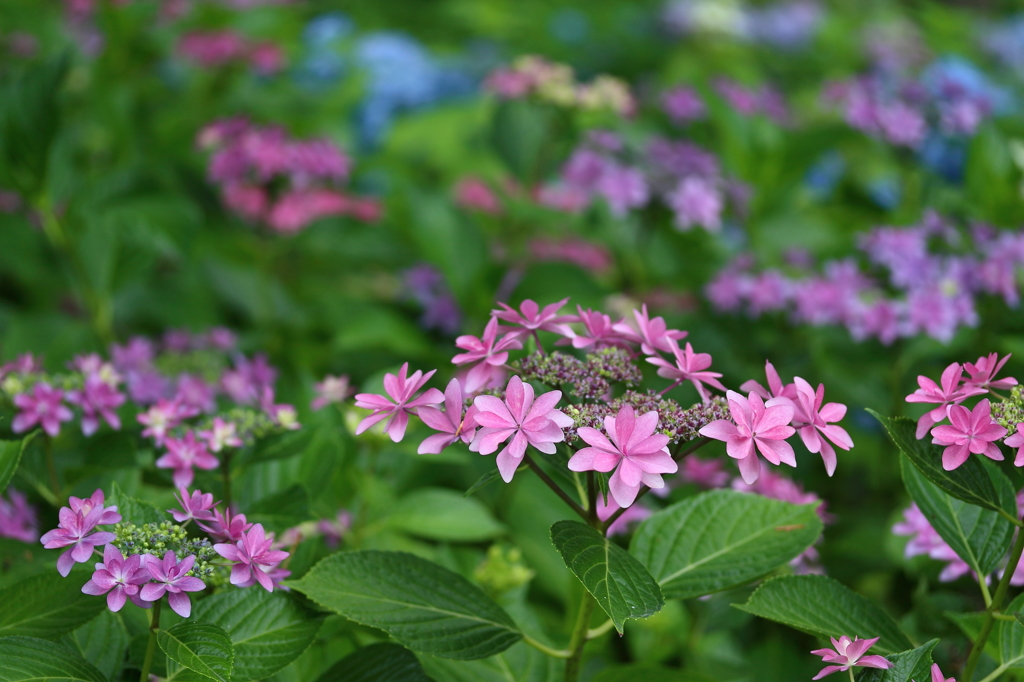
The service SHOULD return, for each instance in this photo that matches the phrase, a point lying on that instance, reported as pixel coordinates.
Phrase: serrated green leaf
(46, 606)
(10, 458)
(203, 648)
(518, 663)
(979, 536)
(440, 514)
(383, 662)
(722, 539)
(968, 482)
(622, 586)
(823, 606)
(103, 641)
(28, 659)
(422, 605)
(906, 666)
(133, 510)
(268, 630)
(1011, 636)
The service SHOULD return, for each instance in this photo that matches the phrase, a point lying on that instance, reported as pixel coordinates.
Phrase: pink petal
(488, 440)
(954, 456)
(433, 445)
(116, 600)
(622, 492)
(780, 450)
(874, 662)
(719, 430)
(740, 448)
(180, 603)
(750, 468)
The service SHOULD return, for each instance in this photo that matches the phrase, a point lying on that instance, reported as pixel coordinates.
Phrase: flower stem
(555, 487)
(850, 670)
(154, 625)
(994, 607)
(579, 637)
(594, 633)
(540, 646)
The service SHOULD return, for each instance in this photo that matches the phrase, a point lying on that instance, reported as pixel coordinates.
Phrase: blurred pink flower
(475, 194)
(704, 473)
(633, 514)
(183, 454)
(42, 406)
(330, 390)
(18, 517)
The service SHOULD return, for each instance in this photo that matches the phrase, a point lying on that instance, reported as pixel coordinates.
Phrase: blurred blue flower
(957, 72)
(885, 192)
(945, 156)
(1005, 41)
(327, 29)
(825, 174)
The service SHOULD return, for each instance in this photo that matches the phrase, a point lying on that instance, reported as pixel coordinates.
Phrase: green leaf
(201, 647)
(646, 672)
(27, 659)
(47, 606)
(103, 641)
(282, 510)
(1011, 636)
(268, 630)
(970, 624)
(1019, 616)
(10, 458)
(978, 536)
(422, 605)
(383, 662)
(721, 539)
(279, 446)
(440, 514)
(133, 510)
(518, 663)
(822, 606)
(486, 479)
(622, 585)
(519, 133)
(906, 666)
(968, 482)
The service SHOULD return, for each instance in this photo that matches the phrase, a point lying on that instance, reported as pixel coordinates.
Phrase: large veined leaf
(201, 647)
(46, 606)
(28, 659)
(384, 662)
(268, 630)
(10, 458)
(422, 605)
(822, 606)
(722, 539)
(968, 482)
(979, 536)
(103, 641)
(623, 587)
(1011, 637)
(133, 510)
(440, 514)
(907, 666)
(518, 663)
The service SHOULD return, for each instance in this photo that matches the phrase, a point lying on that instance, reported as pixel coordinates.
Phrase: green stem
(985, 594)
(154, 625)
(994, 607)
(852, 678)
(542, 475)
(554, 653)
(579, 637)
(594, 633)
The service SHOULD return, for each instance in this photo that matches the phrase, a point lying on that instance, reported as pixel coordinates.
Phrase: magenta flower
(183, 454)
(194, 393)
(162, 417)
(689, 366)
(75, 530)
(222, 434)
(454, 423)
(598, 332)
(635, 452)
(982, 374)
(759, 427)
(937, 675)
(118, 578)
(18, 518)
(848, 654)
(1016, 440)
(971, 431)
(813, 423)
(401, 390)
(331, 390)
(225, 527)
(525, 420)
(98, 398)
(776, 389)
(532, 318)
(949, 392)
(196, 506)
(44, 407)
(252, 557)
(171, 577)
(653, 335)
(488, 352)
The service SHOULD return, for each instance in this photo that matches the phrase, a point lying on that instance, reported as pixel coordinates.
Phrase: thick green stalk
(579, 637)
(154, 625)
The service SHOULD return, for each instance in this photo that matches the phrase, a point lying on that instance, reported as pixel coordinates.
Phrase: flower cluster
(144, 563)
(267, 177)
(18, 517)
(626, 437)
(532, 76)
(929, 277)
(212, 49)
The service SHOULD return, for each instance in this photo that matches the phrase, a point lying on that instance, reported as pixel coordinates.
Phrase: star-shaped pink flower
(982, 374)
(75, 530)
(653, 335)
(1016, 440)
(490, 354)
(253, 558)
(969, 431)
(531, 318)
(689, 366)
(598, 332)
(849, 653)
(171, 577)
(183, 454)
(776, 389)
(42, 406)
(759, 427)
(812, 422)
(950, 392)
(454, 423)
(196, 506)
(118, 578)
(403, 401)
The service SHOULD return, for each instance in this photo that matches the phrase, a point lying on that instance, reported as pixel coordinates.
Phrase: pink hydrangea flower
(331, 390)
(488, 352)
(403, 401)
(196, 506)
(194, 393)
(696, 201)
(653, 335)
(982, 374)
(183, 454)
(1016, 440)
(776, 389)
(18, 518)
(98, 398)
(475, 194)
(519, 417)
(225, 527)
(162, 417)
(759, 427)
(635, 452)
(75, 530)
(812, 422)
(924, 539)
(118, 578)
(689, 366)
(42, 406)
(221, 434)
(849, 653)
(252, 558)
(970, 431)
(598, 332)
(950, 392)
(532, 318)
(454, 423)
(171, 577)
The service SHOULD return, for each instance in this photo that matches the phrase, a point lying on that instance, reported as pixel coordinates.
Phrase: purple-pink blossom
(42, 406)
(488, 352)
(759, 427)
(455, 423)
(183, 454)
(225, 527)
(18, 517)
(970, 431)
(171, 577)
(1016, 440)
(221, 434)
(118, 578)
(196, 506)
(982, 374)
(160, 418)
(703, 473)
(598, 332)
(634, 514)
(403, 402)
(689, 366)
(812, 421)
(924, 539)
(252, 558)
(652, 334)
(531, 318)
(330, 390)
(696, 201)
(950, 392)
(76, 527)
(97, 398)
(847, 654)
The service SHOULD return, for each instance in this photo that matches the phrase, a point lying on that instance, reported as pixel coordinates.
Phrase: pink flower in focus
(532, 318)
(759, 426)
(776, 389)
(452, 423)
(170, 578)
(75, 530)
(598, 332)
(970, 431)
(704, 473)
(949, 392)
(689, 366)
(331, 390)
(653, 335)
(401, 390)
(225, 527)
(490, 353)
(633, 514)
(196, 506)
(183, 454)
(221, 434)
(1016, 440)
(815, 419)
(118, 578)
(635, 452)
(519, 417)
(475, 194)
(44, 407)
(848, 654)
(982, 374)
(252, 557)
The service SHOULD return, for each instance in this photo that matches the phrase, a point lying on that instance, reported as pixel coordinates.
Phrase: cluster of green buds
(1010, 412)
(159, 538)
(502, 570)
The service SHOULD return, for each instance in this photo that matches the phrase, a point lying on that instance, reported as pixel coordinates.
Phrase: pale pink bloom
(402, 392)
(812, 421)
(653, 335)
(781, 487)
(196, 506)
(183, 454)
(683, 104)
(225, 527)
(633, 515)
(635, 452)
(598, 332)
(298, 208)
(171, 578)
(252, 557)
(982, 374)
(925, 540)
(221, 434)
(704, 473)
(949, 392)
(759, 427)
(331, 390)
(696, 201)
(776, 389)
(162, 417)
(282, 414)
(118, 578)
(333, 530)
(42, 406)
(519, 417)
(488, 352)
(195, 394)
(1016, 440)
(454, 423)
(689, 366)
(848, 654)
(475, 194)
(969, 431)
(532, 318)
(75, 530)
